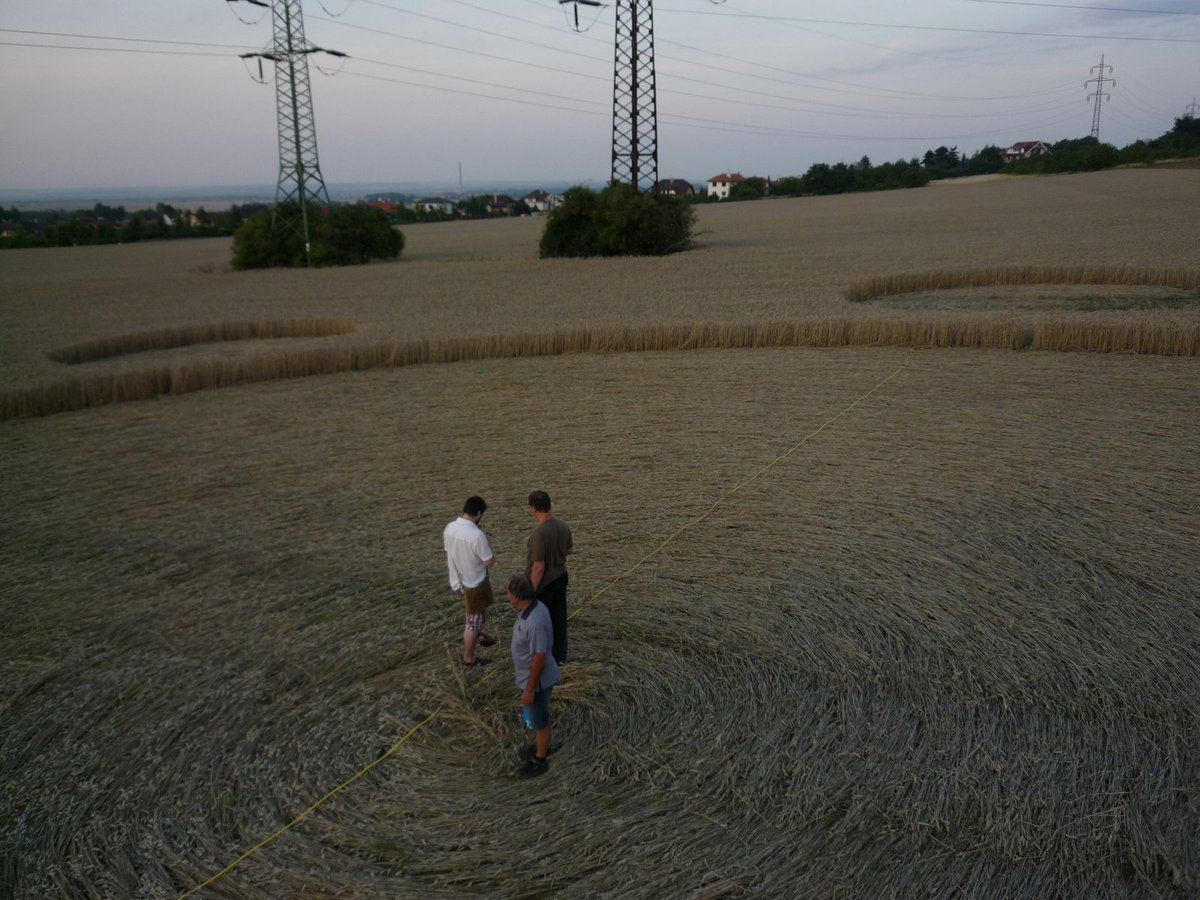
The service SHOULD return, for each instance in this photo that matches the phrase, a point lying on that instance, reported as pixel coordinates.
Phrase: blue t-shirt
(532, 633)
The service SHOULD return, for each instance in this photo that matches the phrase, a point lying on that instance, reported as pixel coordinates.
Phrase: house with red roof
(720, 185)
(1022, 149)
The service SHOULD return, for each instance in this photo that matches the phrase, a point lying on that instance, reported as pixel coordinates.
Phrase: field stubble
(948, 646)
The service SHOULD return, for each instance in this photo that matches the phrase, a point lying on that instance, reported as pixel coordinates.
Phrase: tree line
(104, 224)
(1070, 155)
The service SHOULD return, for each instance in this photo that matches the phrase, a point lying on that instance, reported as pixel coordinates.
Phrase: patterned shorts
(476, 621)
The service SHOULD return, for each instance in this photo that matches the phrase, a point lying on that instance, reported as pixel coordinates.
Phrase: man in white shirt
(469, 556)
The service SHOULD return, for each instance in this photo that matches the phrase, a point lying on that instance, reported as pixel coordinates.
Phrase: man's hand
(527, 696)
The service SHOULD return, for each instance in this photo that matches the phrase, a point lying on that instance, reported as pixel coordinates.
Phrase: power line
(106, 37)
(946, 28)
(460, 49)
(856, 110)
(698, 123)
(825, 108)
(112, 49)
(865, 90)
(863, 113)
(506, 87)
(1103, 9)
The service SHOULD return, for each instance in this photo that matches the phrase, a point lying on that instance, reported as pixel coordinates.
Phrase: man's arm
(455, 578)
(536, 665)
(536, 573)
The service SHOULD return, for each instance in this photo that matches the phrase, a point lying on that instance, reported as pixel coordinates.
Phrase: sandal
(477, 661)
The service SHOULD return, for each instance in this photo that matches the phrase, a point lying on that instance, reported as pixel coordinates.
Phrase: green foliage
(942, 162)
(1182, 140)
(352, 235)
(113, 224)
(260, 242)
(753, 188)
(571, 226)
(617, 221)
(840, 178)
(474, 207)
(988, 160)
(788, 186)
(1071, 155)
(343, 236)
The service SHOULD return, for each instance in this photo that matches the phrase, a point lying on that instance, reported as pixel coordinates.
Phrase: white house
(720, 185)
(540, 201)
(1022, 149)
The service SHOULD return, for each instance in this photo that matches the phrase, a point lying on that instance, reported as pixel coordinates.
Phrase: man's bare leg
(470, 639)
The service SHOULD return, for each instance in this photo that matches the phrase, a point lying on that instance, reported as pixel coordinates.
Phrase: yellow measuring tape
(611, 582)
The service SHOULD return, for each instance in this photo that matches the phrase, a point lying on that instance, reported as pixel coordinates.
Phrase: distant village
(107, 224)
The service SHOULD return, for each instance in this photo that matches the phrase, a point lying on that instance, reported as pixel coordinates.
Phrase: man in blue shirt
(534, 666)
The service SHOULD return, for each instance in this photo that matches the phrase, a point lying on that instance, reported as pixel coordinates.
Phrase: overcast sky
(510, 91)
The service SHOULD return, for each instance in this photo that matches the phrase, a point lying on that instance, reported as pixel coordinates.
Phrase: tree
(346, 235)
(617, 221)
(571, 226)
(788, 186)
(753, 188)
(473, 207)
(987, 160)
(350, 235)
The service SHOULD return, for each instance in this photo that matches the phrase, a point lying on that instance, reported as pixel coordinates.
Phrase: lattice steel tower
(1099, 94)
(635, 105)
(300, 178)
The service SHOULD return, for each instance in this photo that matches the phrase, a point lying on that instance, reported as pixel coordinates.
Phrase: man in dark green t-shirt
(546, 562)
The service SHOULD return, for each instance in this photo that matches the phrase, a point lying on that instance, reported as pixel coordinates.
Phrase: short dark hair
(540, 501)
(521, 587)
(475, 506)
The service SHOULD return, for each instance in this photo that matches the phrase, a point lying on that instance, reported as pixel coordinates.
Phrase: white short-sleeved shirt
(467, 549)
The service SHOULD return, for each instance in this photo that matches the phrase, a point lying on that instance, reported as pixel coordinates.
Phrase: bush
(571, 226)
(617, 221)
(342, 236)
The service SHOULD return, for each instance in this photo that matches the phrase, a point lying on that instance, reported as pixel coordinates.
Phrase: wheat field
(926, 625)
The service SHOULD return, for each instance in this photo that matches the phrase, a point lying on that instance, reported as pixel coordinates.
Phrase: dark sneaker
(477, 661)
(486, 640)
(533, 768)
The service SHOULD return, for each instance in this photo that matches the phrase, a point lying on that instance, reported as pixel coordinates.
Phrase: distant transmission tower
(300, 178)
(1192, 109)
(1099, 94)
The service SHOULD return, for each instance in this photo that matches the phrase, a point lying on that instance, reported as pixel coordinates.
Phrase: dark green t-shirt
(549, 544)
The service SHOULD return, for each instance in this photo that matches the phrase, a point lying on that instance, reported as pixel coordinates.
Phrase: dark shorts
(537, 714)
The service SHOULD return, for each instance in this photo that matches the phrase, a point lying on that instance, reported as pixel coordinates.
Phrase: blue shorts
(537, 714)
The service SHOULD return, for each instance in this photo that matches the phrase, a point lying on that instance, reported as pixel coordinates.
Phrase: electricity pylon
(1099, 94)
(300, 178)
(635, 105)
(635, 101)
